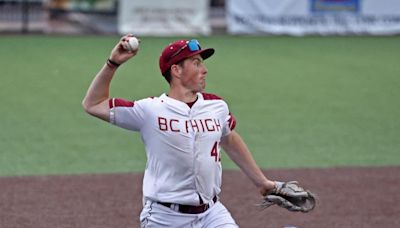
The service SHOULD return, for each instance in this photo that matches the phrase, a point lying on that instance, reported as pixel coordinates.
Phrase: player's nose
(205, 70)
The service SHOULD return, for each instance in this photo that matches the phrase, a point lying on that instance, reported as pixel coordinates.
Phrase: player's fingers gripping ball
(291, 196)
(131, 43)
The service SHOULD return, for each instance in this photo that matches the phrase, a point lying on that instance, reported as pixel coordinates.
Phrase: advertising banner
(164, 18)
(324, 17)
(103, 6)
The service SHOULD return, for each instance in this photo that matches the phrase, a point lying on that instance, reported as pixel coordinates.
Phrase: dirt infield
(347, 197)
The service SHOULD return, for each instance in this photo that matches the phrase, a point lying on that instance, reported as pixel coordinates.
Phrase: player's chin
(203, 86)
(200, 87)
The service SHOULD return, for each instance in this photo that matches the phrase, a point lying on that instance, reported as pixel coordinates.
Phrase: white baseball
(133, 44)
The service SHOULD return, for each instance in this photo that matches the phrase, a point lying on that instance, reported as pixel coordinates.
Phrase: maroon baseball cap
(180, 50)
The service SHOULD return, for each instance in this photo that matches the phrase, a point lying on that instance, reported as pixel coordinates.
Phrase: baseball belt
(189, 209)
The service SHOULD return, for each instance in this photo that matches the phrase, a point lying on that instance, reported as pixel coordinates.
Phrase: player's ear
(176, 70)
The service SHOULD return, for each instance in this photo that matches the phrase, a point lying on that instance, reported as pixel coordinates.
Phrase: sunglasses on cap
(193, 45)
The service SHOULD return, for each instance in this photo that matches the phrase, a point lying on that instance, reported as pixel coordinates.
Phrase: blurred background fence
(22, 16)
(84, 16)
(201, 17)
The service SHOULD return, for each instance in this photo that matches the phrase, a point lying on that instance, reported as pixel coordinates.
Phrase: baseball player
(183, 131)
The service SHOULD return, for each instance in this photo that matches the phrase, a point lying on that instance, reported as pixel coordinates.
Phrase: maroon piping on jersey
(119, 102)
(232, 121)
(210, 96)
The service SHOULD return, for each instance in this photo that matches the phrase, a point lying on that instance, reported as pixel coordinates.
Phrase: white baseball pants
(155, 215)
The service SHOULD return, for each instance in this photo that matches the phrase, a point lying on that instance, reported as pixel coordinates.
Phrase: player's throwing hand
(120, 53)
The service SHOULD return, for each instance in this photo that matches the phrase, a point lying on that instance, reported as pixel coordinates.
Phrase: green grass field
(299, 102)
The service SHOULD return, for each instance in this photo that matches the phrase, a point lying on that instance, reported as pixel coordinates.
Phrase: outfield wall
(305, 17)
(206, 17)
(289, 17)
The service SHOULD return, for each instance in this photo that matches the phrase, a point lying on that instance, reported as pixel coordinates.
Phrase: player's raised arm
(96, 100)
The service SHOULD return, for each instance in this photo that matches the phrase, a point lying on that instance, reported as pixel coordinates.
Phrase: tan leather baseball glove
(289, 195)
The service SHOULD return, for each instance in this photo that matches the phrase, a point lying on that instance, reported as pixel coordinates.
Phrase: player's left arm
(238, 151)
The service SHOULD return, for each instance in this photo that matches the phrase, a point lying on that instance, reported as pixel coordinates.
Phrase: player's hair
(168, 76)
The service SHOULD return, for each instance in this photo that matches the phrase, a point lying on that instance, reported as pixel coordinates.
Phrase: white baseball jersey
(181, 142)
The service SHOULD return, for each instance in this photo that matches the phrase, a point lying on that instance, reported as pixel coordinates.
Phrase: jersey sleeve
(229, 125)
(229, 122)
(126, 114)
